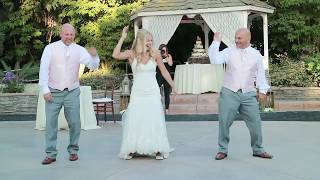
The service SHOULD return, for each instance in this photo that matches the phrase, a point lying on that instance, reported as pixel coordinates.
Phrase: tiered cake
(198, 55)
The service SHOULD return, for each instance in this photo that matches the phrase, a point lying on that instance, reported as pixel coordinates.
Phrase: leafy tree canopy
(295, 28)
(27, 26)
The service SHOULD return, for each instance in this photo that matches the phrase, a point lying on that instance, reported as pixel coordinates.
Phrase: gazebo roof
(163, 7)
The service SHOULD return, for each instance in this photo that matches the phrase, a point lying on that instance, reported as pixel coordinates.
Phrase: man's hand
(48, 97)
(217, 37)
(92, 51)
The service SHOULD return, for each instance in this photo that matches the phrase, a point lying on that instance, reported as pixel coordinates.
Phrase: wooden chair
(105, 104)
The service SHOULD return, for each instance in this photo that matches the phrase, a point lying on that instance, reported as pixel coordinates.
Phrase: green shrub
(97, 79)
(313, 68)
(288, 73)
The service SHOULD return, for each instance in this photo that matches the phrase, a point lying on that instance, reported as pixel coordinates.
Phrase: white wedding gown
(144, 128)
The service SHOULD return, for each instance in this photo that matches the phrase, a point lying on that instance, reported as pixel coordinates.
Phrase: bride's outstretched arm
(165, 72)
(117, 54)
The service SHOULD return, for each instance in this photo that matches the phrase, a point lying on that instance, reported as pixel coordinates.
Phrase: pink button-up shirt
(60, 64)
(244, 67)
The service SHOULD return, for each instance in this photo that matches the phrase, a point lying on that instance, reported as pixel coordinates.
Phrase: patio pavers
(295, 146)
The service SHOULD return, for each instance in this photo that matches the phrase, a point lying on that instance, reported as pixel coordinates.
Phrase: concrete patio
(295, 146)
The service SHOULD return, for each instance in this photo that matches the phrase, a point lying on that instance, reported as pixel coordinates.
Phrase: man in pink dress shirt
(59, 82)
(238, 94)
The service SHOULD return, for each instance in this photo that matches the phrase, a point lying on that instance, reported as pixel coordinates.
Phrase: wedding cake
(198, 55)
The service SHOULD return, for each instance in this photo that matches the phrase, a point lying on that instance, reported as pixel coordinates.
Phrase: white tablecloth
(87, 114)
(198, 78)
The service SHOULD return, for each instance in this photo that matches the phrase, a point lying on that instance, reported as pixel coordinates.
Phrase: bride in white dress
(144, 128)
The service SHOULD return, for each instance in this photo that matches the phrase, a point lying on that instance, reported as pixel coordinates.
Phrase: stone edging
(286, 99)
(26, 103)
(296, 93)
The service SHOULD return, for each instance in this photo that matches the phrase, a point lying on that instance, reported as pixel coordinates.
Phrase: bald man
(59, 82)
(238, 94)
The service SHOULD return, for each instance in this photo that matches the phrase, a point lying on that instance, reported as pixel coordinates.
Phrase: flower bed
(11, 83)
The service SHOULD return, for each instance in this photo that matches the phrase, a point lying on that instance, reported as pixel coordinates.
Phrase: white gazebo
(162, 17)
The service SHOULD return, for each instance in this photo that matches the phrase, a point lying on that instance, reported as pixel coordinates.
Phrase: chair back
(104, 105)
(109, 85)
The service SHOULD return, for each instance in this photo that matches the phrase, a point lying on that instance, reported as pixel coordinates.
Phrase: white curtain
(226, 23)
(161, 27)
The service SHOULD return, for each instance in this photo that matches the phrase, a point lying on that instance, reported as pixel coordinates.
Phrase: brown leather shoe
(73, 157)
(263, 155)
(48, 160)
(220, 156)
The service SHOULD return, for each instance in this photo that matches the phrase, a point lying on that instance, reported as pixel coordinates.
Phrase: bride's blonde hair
(139, 45)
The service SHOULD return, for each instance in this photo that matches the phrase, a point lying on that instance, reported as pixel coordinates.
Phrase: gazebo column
(206, 30)
(265, 36)
(245, 17)
(265, 41)
(136, 26)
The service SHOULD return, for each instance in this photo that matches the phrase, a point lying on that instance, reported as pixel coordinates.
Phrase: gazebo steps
(194, 104)
(208, 104)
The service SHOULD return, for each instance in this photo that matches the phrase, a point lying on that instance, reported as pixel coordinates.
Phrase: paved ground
(296, 146)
